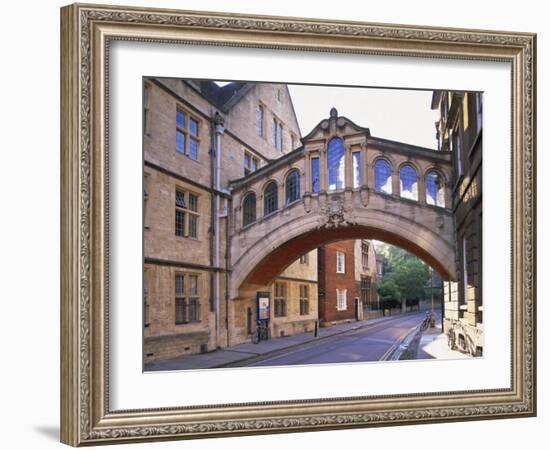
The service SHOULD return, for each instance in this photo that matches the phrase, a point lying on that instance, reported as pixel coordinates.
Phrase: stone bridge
(342, 183)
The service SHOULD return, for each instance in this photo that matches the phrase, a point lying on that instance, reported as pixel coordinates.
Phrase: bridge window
(249, 209)
(292, 187)
(435, 189)
(382, 176)
(315, 179)
(357, 170)
(409, 182)
(270, 198)
(336, 164)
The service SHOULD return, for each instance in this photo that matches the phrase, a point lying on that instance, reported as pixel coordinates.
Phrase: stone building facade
(197, 136)
(459, 130)
(366, 278)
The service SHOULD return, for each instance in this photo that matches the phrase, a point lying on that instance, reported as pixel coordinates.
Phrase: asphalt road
(372, 343)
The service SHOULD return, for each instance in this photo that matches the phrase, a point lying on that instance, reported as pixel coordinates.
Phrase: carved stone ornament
(307, 202)
(336, 213)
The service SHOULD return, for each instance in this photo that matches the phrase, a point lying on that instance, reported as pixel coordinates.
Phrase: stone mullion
(348, 168)
(307, 175)
(323, 169)
(421, 189)
(364, 166)
(396, 187)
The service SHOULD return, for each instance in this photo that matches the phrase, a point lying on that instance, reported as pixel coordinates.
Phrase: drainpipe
(219, 129)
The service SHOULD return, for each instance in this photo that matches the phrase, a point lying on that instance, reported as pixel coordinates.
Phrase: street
(371, 343)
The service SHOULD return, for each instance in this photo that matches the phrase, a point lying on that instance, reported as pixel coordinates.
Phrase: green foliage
(406, 275)
(389, 293)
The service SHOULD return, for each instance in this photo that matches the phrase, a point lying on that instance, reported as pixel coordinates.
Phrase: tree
(411, 276)
(405, 273)
(389, 293)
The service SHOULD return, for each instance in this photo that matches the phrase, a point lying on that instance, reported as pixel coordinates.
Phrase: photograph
(296, 224)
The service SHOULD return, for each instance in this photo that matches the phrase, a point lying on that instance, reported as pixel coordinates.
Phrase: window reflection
(409, 182)
(336, 164)
(270, 199)
(292, 187)
(435, 192)
(357, 171)
(315, 180)
(382, 176)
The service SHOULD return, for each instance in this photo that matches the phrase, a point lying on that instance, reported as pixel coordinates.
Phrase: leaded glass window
(180, 213)
(357, 170)
(249, 209)
(435, 189)
(270, 198)
(336, 164)
(382, 176)
(409, 182)
(315, 177)
(292, 187)
(260, 120)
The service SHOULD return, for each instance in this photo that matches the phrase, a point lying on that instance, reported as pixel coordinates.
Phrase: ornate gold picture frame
(87, 33)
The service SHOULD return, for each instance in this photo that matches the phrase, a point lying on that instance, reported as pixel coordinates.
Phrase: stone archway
(262, 260)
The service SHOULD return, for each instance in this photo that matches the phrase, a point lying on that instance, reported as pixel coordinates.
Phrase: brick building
(347, 282)
(459, 130)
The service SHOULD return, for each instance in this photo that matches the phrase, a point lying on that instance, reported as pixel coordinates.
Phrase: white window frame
(340, 262)
(341, 299)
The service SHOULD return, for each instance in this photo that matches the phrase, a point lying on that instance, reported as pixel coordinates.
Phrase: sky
(398, 115)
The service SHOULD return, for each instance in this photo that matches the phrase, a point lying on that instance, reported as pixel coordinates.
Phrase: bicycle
(261, 333)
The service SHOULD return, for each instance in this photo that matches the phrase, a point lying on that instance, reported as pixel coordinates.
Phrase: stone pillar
(421, 189)
(323, 169)
(396, 185)
(348, 168)
(307, 174)
(370, 175)
(364, 177)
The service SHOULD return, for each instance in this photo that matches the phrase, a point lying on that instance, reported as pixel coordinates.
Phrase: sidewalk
(433, 344)
(242, 352)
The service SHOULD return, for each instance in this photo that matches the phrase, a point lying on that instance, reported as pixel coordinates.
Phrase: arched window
(382, 176)
(435, 189)
(249, 209)
(292, 187)
(409, 182)
(336, 164)
(270, 198)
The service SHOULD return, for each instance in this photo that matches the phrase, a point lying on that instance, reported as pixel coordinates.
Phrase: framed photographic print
(281, 224)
